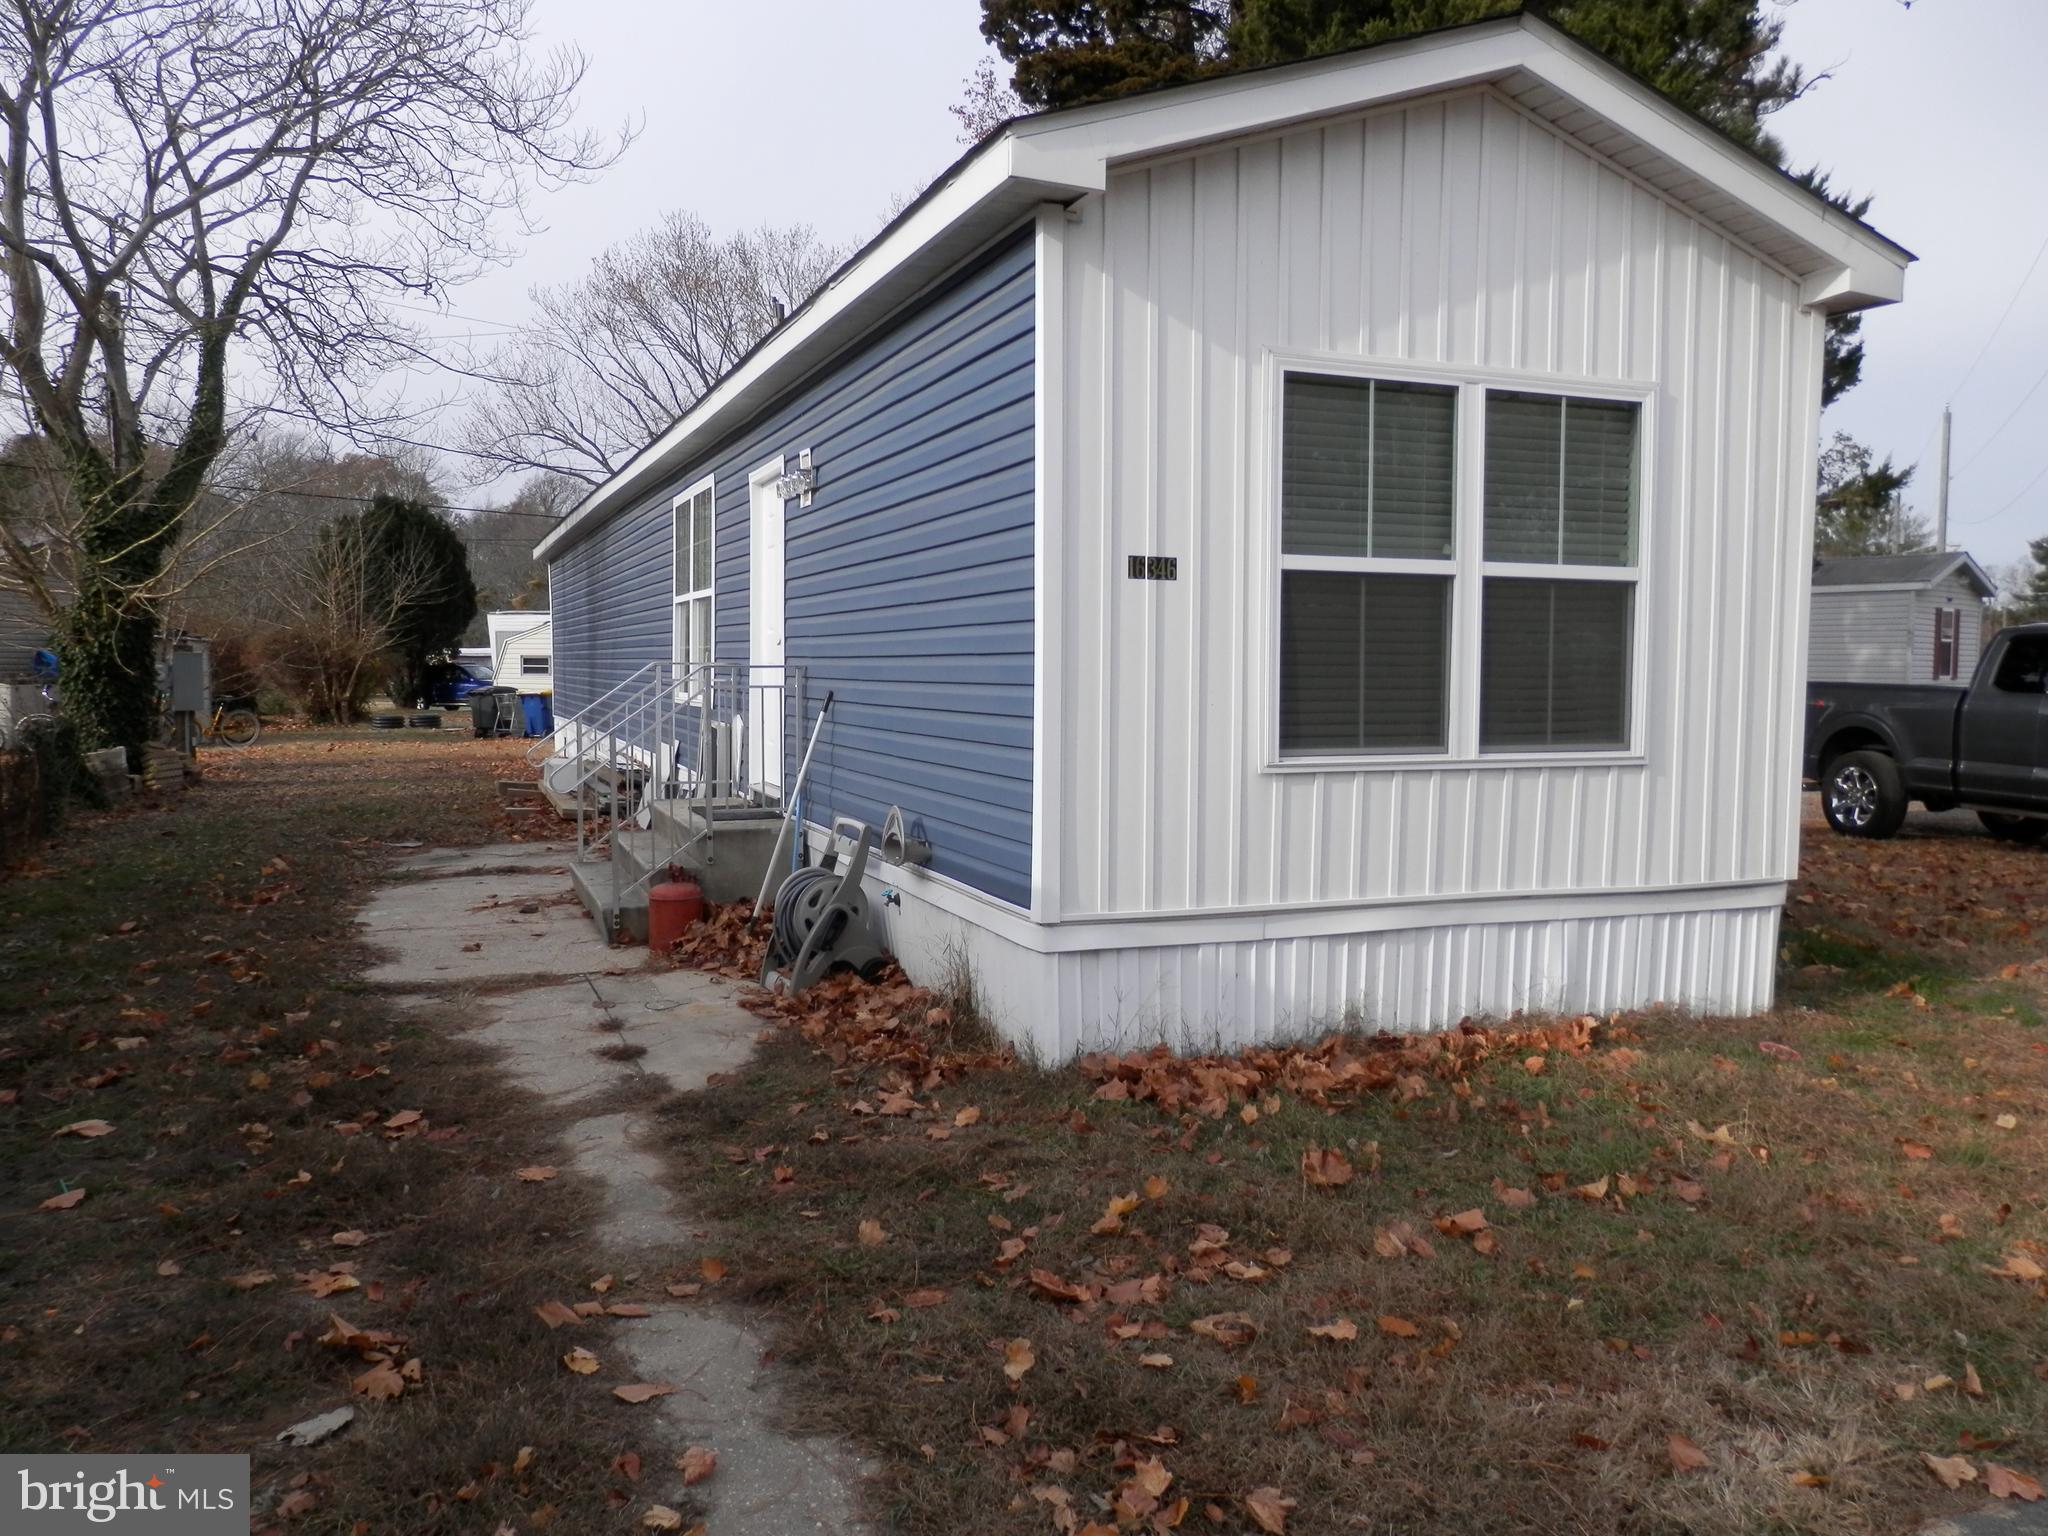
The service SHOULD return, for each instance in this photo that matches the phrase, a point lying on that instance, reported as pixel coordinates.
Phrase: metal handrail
(684, 736)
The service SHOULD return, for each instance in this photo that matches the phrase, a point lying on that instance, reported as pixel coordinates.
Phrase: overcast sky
(784, 110)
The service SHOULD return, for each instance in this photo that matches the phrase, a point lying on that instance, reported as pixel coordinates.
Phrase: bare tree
(988, 104)
(609, 361)
(183, 182)
(344, 601)
(501, 540)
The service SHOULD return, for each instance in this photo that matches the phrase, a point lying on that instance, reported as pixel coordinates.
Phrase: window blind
(1363, 662)
(1366, 468)
(1560, 480)
(1554, 668)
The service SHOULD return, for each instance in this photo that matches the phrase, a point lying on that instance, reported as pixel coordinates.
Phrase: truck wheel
(1861, 795)
(2014, 829)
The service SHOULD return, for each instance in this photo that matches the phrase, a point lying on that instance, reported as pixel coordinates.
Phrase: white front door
(765, 643)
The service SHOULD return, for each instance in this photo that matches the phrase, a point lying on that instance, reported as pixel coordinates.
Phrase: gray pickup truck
(1874, 748)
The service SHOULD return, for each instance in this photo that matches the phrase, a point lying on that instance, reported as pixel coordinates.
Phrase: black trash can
(483, 713)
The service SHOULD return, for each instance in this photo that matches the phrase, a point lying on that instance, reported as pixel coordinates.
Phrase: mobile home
(1915, 618)
(1329, 542)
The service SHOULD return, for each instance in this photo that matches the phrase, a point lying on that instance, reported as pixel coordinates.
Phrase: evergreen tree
(416, 572)
(1715, 58)
(2036, 594)
(1861, 508)
(1068, 51)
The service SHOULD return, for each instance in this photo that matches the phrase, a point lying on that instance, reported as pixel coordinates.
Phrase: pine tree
(1068, 51)
(1861, 508)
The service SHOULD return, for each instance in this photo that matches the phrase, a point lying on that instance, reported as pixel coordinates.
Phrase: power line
(1978, 453)
(2003, 316)
(438, 506)
(2039, 476)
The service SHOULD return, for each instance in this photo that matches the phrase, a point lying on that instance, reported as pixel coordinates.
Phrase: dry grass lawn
(1709, 1276)
(184, 974)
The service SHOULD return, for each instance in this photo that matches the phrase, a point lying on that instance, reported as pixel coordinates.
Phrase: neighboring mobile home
(1324, 543)
(1898, 618)
(525, 659)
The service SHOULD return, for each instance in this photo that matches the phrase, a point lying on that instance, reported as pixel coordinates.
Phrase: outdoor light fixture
(799, 482)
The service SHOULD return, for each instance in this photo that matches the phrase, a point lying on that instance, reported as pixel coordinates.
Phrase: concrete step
(729, 864)
(593, 882)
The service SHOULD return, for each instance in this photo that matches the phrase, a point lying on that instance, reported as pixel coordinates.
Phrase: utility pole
(1941, 489)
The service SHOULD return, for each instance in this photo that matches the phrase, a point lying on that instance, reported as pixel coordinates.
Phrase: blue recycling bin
(540, 717)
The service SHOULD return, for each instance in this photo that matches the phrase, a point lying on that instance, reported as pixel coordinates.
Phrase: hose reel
(823, 920)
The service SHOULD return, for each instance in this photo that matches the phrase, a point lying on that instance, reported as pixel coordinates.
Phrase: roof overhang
(1959, 561)
(1841, 263)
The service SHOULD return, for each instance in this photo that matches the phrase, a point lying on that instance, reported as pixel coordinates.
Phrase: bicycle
(232, 726)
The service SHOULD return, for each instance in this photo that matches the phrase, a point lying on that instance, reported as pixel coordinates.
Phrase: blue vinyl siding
(908, 580)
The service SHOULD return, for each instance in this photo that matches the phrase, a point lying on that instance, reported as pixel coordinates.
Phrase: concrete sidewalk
(499, 932)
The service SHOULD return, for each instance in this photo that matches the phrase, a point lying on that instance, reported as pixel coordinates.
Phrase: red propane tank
(671, 907)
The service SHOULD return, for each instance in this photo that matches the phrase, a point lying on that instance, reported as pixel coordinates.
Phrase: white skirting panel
(1233, 992)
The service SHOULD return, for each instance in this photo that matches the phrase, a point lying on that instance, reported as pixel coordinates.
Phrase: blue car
(452, 683)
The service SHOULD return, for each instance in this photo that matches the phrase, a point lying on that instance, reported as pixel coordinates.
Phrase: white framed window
(692, 586)
(533, 666)
(1458, 564)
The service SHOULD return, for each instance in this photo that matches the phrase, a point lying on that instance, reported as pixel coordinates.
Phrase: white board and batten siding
(1229, 895)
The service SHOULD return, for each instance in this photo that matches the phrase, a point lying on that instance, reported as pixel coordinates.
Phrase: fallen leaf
(968, 1116)
(1399, 1327)
(251, 1279)
(1156, 1362)
(63, 1202)
(871, 1234)
(1112, 1217)
(1325, 1168)
(696, 1464)
(581, 1361)
(402, 1119)
(642, 1391)
(555, 1315)
(1230, 1329)
(380, 1382)
(538, 1174)
(627, 1464)
(627, 1309)
(1268, 1510)
(1155, 1187)
(1343, 1330)
(659, 1517)
(2004, 1483)
(1919, 1151)
(1018, 1358)
(713, 1270)
(1685, 1456)
(1952, 1471)
(85, 1128)
(349, 1239)
(930, 1296)
(1972, 1382)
